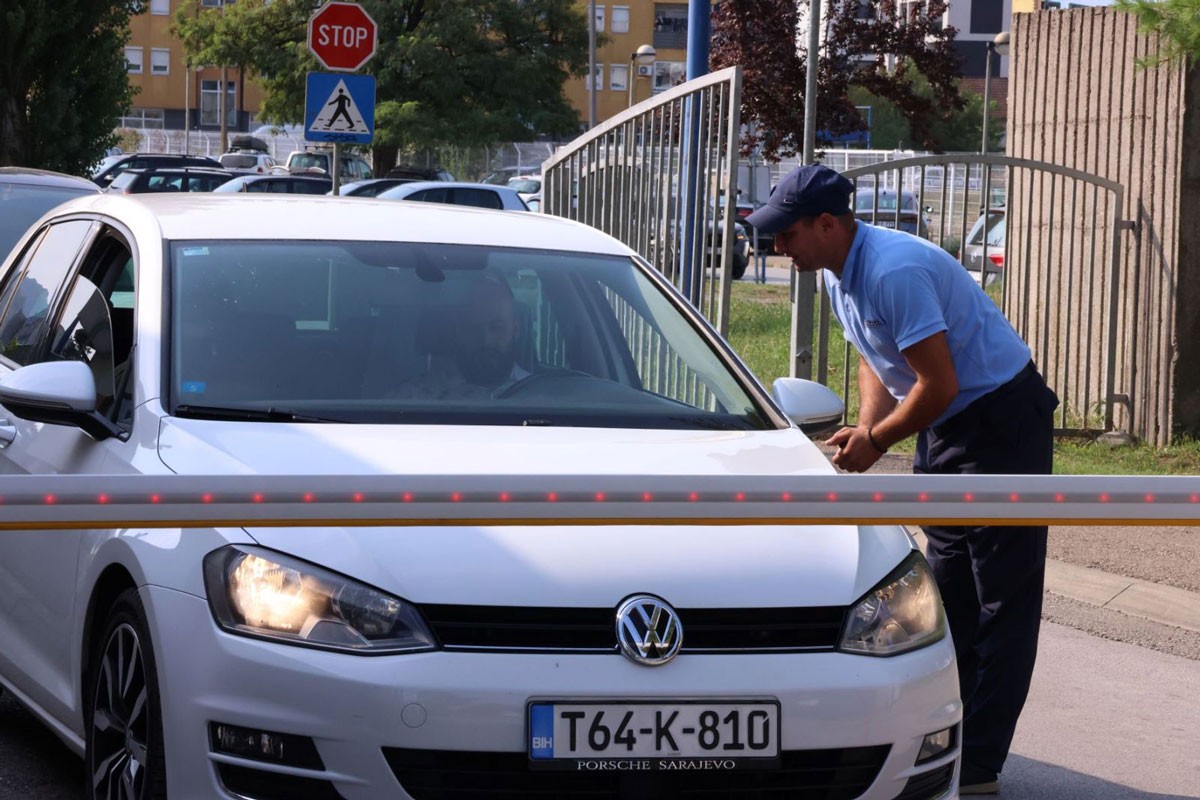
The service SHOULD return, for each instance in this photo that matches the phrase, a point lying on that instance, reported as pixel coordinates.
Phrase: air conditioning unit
(645, 70)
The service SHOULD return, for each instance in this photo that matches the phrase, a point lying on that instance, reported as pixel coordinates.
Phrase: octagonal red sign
(342, 36)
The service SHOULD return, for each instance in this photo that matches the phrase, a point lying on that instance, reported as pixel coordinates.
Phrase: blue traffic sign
(339, 108)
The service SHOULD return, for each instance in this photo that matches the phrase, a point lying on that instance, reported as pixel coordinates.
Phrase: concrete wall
(1078, 99)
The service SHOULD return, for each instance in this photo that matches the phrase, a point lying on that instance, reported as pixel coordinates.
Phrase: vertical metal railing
(628, 178)
(1059, 278)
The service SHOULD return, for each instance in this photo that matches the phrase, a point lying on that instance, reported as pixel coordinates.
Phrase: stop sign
(342, 36)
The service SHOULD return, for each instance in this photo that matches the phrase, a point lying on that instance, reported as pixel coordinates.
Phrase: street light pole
(591, 85)
(643, 56)
(998, 46)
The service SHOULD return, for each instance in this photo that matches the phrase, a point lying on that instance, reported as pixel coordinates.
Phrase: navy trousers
(991, 578)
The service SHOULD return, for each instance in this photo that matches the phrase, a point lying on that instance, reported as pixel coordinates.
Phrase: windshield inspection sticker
(193, 387)
(195, 251)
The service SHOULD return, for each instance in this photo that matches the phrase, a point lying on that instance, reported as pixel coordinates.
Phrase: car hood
(587, 566)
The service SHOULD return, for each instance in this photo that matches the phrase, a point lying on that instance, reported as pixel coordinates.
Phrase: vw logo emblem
(648, 630)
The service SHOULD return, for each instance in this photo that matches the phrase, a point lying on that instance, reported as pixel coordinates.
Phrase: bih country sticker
(340, 113)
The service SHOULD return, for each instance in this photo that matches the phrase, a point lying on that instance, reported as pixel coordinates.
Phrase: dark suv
(169, 179)
(112, 166)
(419, 173)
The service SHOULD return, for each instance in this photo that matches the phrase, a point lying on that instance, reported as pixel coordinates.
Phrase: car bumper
(353, 707)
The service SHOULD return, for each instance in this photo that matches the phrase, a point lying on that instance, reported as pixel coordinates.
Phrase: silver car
(991, 263)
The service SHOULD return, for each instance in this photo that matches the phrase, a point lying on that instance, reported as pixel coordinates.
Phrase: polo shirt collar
(850, 268)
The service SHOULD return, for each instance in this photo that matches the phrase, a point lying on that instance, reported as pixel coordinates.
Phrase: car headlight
(903, 612)
(259, 592)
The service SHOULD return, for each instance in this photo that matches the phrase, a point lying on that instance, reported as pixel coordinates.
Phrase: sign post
(343, 37)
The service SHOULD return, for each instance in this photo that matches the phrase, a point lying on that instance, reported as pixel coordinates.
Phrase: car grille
(705, 630)
(803, 775)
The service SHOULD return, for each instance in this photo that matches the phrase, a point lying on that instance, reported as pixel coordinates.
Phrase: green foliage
(447, 72)
(956, 130)
(1177, 22)
(63, 80)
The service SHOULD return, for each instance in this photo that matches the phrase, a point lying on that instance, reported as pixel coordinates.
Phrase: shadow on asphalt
(36, 762)
(1027, 779)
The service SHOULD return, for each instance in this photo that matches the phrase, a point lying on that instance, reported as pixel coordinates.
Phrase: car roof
(202, 215)
(416, 186)
(44, 177)
(198, 169)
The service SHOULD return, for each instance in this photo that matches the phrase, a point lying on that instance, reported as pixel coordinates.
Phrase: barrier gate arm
(192, 501)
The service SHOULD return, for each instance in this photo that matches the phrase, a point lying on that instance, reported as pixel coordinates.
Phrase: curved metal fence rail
(1058, 278)
(657, 177)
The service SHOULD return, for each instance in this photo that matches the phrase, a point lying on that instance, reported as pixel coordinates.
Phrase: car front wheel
(124, 758)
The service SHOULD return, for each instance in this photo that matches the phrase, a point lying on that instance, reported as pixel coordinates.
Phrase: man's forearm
(875, 402)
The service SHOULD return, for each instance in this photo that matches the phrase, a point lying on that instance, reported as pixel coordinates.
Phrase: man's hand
(855, 451)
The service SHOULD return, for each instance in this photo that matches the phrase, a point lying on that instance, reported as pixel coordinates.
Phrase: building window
(670, 26)
(160, 6)
(618, 77)
(133, 60)
(210, 113)
(160, 61)
(599, 19)
(143, 118)
(620, 19)
(668, 74)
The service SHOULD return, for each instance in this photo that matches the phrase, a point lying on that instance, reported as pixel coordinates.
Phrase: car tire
(739, 267)
(124, 753)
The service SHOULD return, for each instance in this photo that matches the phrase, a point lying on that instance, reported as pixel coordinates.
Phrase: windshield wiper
(249, 414)
(713, 423)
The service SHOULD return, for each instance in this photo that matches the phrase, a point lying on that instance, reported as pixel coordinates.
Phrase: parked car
(278, 184)
(112, 166)
(972, 255)
(743, 209)
(458, 194)
(502, 176)
(892, 211)
(510, 657)
(353, 167)
(169, 179)
(526, 186)
(413, 172)
(247, 155)
(26, 194)
(739, 259)
(371, 187)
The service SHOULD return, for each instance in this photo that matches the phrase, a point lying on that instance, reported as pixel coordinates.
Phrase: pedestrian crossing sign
(339, 108)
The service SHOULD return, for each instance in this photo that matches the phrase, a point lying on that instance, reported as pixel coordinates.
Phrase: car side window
(480, 198)
(23, 326)
(431, 196)
(96, 324)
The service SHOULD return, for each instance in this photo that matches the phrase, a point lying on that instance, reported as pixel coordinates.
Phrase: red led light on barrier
(407, 497)
(504, 497)
(923, 496)
(968, 497)
(740, 496)
(1195, 498)
(786, 497)
(1014, 498)
(1149, 498)
(102, 499)
(599, 497)
(1104, 497)
(831, 497)
(647, 497)
(206, 497)
(155, 498)
(456, 497)
(358, 497)
(308, 497)
(877, 497)
(258, 498)
(1058, 498)
(49, 499)
(693, 496)
(552, 497)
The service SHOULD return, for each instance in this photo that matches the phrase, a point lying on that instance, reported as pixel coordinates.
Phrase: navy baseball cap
(807, 191)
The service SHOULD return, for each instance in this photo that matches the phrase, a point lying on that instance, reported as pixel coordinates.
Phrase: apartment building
(170, 94)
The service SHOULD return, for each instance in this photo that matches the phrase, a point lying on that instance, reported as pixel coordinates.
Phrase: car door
(38, 569)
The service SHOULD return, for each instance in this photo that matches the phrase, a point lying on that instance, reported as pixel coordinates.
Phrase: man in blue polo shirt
(937, 359)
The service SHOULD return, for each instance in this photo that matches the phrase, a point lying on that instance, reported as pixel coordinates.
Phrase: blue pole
(699, 35)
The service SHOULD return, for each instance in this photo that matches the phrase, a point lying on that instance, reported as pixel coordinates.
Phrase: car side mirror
(812, 406)
(57, 393)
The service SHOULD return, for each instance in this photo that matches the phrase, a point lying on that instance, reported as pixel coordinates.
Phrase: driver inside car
(476, 354)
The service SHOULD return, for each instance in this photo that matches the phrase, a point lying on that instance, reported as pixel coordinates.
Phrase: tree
(447, 72)
(959, 132)
(1177, 22)
(238, 35)
(866, 46)
(64, 83)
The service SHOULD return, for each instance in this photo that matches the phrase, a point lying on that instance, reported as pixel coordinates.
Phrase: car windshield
(21, 204)
(437, 333)
(105, 163)
(866, 200)
(530, 185)
(996, 230)
(309, 161)
(239, 161)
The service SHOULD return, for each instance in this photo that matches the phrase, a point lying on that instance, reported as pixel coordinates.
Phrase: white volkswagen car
(238, 336)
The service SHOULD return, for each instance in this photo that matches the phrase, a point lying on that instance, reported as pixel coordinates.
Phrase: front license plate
(637, 736)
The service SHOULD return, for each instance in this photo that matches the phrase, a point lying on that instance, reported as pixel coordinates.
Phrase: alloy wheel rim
(120, 719)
